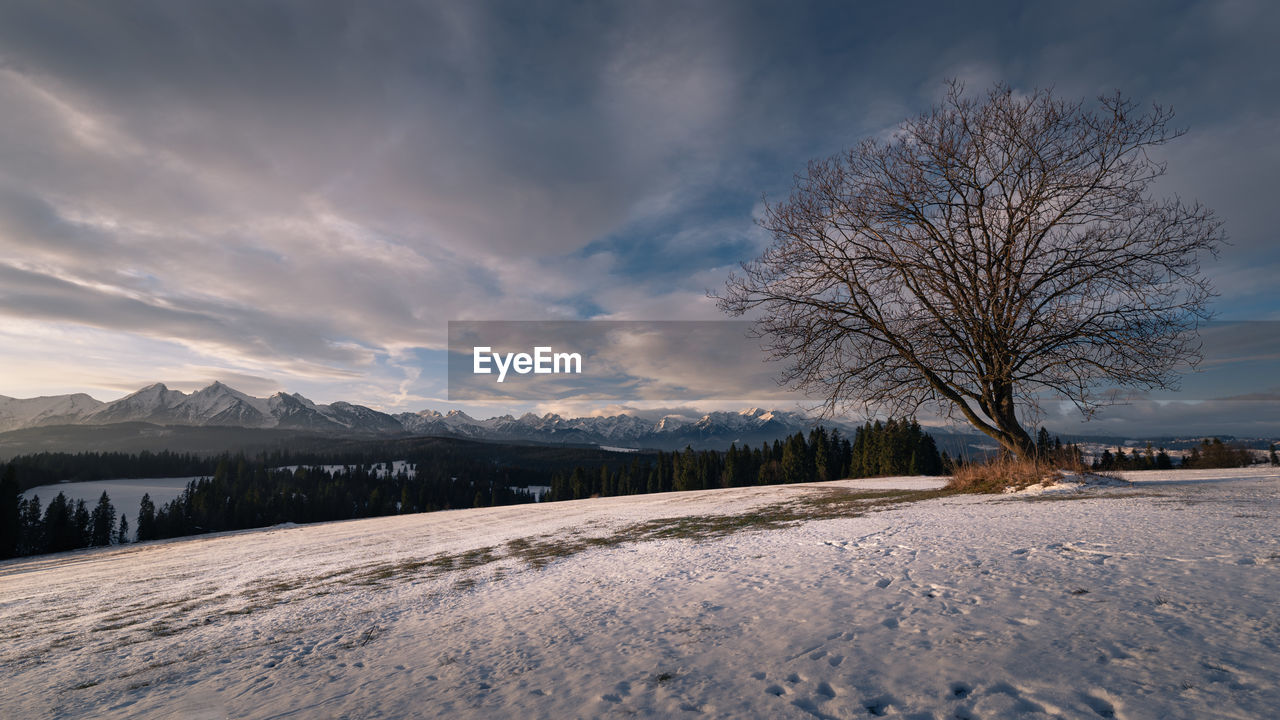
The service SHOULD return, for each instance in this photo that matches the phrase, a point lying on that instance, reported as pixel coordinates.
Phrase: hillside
(806, 601)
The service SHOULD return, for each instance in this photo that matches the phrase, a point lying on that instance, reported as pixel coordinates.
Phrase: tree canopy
(988, 254)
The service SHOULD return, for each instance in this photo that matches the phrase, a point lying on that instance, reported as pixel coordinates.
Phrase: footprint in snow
(1101, 706)
(879, 706)
(883, 582)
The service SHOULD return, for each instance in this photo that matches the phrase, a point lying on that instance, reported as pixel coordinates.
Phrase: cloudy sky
(299, 196)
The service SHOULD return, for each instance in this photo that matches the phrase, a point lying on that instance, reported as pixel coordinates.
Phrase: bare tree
(991, 253)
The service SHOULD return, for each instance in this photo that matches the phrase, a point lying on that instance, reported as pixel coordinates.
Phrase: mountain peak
(217, 387)
(220, 405)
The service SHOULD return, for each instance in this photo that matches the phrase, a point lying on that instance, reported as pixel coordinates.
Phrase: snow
(126, 493)
(919, 482)
(1155, 600)
(537, 491)
(378, 469)
(46, 410)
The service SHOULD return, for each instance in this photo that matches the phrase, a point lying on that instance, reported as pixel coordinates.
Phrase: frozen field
(1157, 600)
(125, 494)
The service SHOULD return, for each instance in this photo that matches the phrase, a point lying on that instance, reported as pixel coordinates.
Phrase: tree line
(239, 492)
(896, 447)
(1210, 453)
(26, 529)
(47, 468)
(1213, 453)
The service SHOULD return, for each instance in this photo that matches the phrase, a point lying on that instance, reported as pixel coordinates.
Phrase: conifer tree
(60, 534)
(686, 475)
(147, 519)
(1106, 462)
(793, 470)
(10, 513)
(578, 483)
(731, 467)
(1191, 459)
(1043, 445)
(32, 539)
(102, 522)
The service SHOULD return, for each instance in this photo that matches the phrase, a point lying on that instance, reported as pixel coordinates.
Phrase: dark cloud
(1251, 415)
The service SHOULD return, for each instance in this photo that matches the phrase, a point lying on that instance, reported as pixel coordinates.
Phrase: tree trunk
(1012, 437)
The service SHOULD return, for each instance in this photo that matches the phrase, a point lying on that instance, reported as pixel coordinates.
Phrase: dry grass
(995, 476)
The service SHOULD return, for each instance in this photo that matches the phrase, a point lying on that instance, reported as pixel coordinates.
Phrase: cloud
(305, 193)
(1251, 415)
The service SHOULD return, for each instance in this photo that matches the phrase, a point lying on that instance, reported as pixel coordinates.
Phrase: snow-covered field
(125, 494)
(1151, 601)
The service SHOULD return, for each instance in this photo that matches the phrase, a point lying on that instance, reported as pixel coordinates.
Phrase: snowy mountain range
(219, 405)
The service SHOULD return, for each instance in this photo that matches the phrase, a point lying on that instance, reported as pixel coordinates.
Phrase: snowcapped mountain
(716, 429)
(215, 405)
(48, 410)
(223, 406)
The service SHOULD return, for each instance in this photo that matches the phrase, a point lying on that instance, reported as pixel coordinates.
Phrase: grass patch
(1008, 474)
(162, 630)
(815, 504)
(429, 567)
(1000, 475)
(539, 553)
(475, 558)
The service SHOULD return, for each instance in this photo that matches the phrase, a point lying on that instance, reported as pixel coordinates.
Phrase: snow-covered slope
(47, 410)
(153, 403)
(1155, 601)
